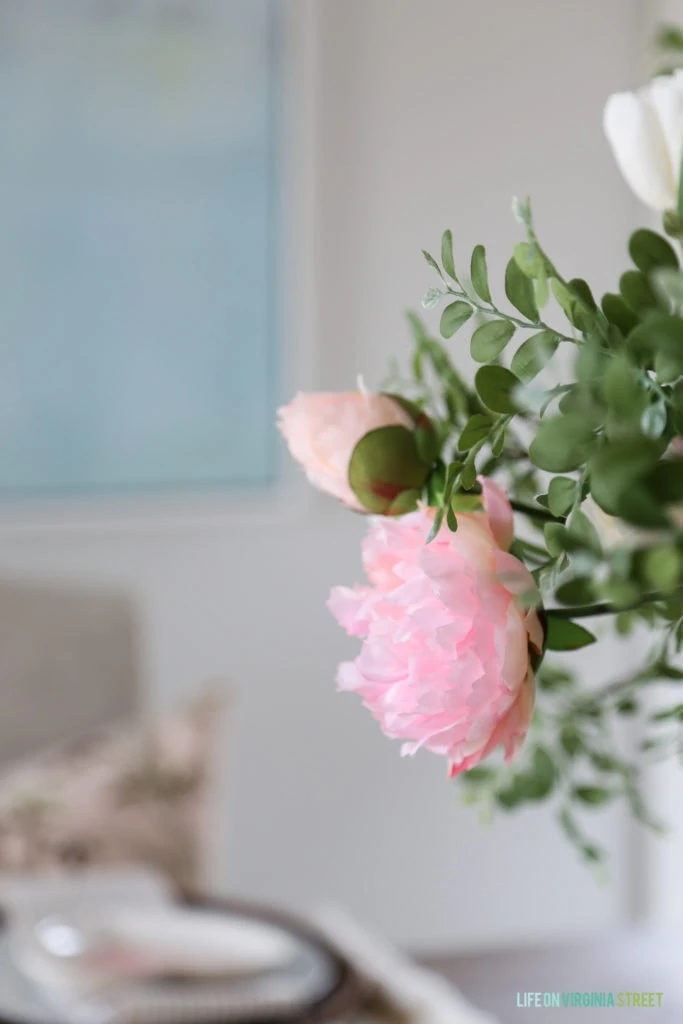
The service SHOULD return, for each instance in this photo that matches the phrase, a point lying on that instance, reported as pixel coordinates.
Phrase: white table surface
(634, 961)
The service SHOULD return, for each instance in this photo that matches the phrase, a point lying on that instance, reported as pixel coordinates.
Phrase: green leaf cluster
(588, 449)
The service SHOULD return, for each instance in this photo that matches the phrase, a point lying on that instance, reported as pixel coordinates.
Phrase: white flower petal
(635, 134)
(666, 97)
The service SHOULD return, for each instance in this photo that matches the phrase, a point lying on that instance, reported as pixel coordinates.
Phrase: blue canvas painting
(138, 222)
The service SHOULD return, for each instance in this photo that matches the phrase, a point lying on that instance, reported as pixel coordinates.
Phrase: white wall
(430, 114)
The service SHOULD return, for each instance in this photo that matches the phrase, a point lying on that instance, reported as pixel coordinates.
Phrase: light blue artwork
(138, 219)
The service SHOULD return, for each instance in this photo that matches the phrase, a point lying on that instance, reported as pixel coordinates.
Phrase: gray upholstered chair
(68, 664)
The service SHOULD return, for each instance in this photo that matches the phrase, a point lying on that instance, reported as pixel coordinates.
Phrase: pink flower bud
(384, 474)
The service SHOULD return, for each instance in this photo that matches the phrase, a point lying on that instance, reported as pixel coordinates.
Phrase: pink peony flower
(446, 658)
(322, 429)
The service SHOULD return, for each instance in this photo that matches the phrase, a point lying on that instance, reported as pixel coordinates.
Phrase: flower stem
(491, 310)
(542, 514)
(587, 611)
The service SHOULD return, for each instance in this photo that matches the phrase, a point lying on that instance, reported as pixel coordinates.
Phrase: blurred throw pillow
(137, 794)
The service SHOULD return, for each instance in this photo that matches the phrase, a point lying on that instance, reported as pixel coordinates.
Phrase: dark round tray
(343, 990)
(346, 990)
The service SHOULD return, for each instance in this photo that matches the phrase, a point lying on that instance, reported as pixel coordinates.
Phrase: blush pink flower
(322, 429)
(446, 661)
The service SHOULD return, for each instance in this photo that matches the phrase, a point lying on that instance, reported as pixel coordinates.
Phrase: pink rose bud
(371, 451)
(448, 654)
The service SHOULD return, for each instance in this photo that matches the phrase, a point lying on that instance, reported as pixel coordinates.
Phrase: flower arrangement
(506, 512)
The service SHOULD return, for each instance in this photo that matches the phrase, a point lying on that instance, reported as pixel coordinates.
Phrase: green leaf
(570, 739)
(669, 37)
(581, 290)
(576, 591)
(451, 478)
(677, 397)
(564, 299)
(468, 477)
(479, 273)
(621, 389)
(450, 481)
(668, 284)
(436, 525)
(530, 260)
(561, 494)
(637, 292)
(466, 502)
(436, 482)
(554, 677)
(554, 534)
(620, 593)
(660, 334)
(569, 304)
(605, 762)
(476, 429)
(648, 250)
(582, 529)
(451, 519)
(495, 385)
(594, 796)
(520, 291)
(544, 771)
(667, 368)
(533, 354)
(498, 442)
(569, 825)
(511, 796)
(489, 340)
(662, 567)
(565, 635)
(669, 713)
(618, 313)
(417, 328)
(431, 262)
(454, 316)
(535, 784)
(666, 480)
(447, 254)
(653, 419)
(615, 471)
(562, 443)
(641, 507)
(541, 291)
(480, 773)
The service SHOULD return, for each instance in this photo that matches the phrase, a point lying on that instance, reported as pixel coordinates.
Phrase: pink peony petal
(445, 662)
(499, 512)
(322, 429)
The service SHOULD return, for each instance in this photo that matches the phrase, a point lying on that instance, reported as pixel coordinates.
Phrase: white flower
(645, 130)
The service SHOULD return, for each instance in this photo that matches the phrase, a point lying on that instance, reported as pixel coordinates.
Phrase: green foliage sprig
(590, 460)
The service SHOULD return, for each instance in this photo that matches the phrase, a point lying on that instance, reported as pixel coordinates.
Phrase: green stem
(541, 514)
(655, 386)
(527, 325)
(527, 547)
(587, 611)
(595, 315)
